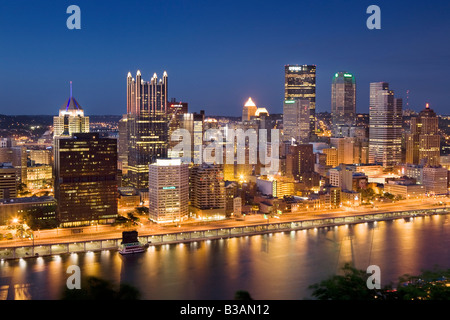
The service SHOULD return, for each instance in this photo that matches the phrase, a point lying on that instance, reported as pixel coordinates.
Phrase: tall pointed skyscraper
(249, 110)
(147, 125)
(71, 118)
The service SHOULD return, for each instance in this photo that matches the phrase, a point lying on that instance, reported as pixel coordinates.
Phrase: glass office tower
(343, 103)
(300, 83)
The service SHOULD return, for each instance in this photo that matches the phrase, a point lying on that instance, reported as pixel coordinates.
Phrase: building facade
(8, 181)
(168, 191)
(71, 118)
(86, 185)
(147, 125)
(343, 102)
(296, 120)
(423, 143)
(249, 110)
(385, 126)
(207, 191)
(300, 83)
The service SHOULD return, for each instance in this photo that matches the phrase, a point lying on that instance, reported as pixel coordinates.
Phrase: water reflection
(269, 266)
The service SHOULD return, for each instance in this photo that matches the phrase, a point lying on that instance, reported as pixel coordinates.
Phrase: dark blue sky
(218, 53)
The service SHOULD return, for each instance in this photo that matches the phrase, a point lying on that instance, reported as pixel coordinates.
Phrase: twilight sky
(218, 53)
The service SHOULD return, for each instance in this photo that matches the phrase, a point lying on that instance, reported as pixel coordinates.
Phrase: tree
(34, 217)
(132, 218)
(95, 288)
(349, 286)
(242, 295)
(367, 194)
(142, 210)
(429, 285)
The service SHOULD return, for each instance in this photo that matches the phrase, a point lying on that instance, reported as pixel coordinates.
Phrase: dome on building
(261, 110)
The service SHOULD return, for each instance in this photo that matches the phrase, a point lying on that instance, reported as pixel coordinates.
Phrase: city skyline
(224, 144)
(247, 64)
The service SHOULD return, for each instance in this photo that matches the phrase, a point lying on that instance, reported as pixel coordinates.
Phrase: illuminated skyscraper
(85, 169)
(300, 83)
(17, 156)
(207, 191)
(168, 190)
(424, 142)
(122, 145)
(71, 118)
(343, 102)
(8, 184)
(147, 96)
(248, 110)
(385, 126)
(296, 120)
(147, 125)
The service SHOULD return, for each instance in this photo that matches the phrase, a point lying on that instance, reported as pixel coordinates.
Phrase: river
(277, 266)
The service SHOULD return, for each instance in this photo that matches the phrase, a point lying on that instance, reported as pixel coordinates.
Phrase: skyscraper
(343, 102)
(296, 120)
(300, 83)
(207, 191)
(385, 125)
(71, 118)
(122, 145)
(168, 190)
(147, 96)
(300, 161)
(8, 183)
(147, 125)
(423, 142)
(17, 156)
(248, 110)
(85, 169)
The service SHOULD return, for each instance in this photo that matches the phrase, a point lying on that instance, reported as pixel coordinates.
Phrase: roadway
(103, 232)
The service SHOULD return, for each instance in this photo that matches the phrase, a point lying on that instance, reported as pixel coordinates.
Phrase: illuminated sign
(295, 68)
(348, 75)
(289, 101)
(169, 188)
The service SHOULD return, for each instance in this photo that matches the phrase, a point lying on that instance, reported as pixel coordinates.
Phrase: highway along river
(270, 266)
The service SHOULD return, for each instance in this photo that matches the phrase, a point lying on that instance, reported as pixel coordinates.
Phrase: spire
(138, 73)
(129, 75)
(250, 103)
(70, 89)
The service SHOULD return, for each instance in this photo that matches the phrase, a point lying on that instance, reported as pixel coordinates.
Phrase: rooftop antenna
(70, 89)
(407, 99)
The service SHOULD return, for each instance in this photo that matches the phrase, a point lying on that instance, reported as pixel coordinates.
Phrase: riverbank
(203, 233)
